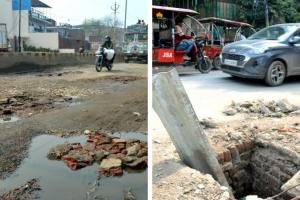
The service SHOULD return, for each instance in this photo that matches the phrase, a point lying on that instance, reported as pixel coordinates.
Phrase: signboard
(137, 28)
(25, 4)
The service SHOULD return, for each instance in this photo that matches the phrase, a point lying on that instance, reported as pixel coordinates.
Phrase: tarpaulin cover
(25, 4)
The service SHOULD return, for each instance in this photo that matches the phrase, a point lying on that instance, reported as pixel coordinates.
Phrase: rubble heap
(114, 154)
(21, 102)
(24, 192)
(262, 108)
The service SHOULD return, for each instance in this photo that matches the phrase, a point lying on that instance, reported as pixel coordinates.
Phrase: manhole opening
(258, 168)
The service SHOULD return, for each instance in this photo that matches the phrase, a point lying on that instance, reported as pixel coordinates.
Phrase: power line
(115, 9)
(20, 20)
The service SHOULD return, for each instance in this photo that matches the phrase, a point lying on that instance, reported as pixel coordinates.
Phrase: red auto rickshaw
(221, 32)
(164, 47)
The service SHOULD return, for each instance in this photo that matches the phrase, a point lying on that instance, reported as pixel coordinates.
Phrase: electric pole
(267, 13)
(20, 18)
(115, 9)
(125, 25)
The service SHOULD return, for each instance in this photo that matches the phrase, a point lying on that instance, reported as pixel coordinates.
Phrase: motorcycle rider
(108, 44)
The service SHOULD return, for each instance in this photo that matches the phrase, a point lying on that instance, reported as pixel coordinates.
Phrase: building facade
(31, 19)
(226, 9)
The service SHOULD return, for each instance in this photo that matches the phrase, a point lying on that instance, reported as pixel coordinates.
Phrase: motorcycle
(104, 59)
(203, 63)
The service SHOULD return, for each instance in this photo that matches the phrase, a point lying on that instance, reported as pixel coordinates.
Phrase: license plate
(231, 62)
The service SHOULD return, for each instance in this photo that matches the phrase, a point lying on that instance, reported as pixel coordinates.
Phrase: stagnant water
(57, 181)
(8, 119)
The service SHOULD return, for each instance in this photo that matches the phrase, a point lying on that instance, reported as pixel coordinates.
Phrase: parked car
(271, 54)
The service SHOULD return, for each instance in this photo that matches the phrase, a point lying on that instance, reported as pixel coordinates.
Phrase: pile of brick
(262, 108)
(114, 154)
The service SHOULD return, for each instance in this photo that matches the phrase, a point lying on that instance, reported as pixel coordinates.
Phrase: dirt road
(210, 94)
(74, 98)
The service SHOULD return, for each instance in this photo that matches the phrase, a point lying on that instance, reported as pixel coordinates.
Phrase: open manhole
(259, 168)
(57, 181)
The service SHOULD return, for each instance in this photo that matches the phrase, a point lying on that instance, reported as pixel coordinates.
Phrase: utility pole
(267, 13)
(125, 25)
(20, 18)
(115, 9)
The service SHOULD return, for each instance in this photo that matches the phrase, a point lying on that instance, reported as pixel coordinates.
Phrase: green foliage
(39, 49)
(280, 11)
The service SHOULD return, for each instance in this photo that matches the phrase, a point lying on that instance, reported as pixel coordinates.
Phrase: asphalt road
(210, 93)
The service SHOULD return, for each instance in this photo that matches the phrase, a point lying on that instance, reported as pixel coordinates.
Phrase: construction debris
(27, 191)
(112, 153)
(262, 108)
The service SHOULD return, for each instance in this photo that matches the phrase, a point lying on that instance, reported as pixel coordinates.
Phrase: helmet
(107, 38)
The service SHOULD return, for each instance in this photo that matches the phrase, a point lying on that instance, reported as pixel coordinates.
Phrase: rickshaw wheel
(204, 65)
(217, 63)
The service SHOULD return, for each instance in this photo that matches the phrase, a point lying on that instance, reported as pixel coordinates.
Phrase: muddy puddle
(59, 182)
(9, 119)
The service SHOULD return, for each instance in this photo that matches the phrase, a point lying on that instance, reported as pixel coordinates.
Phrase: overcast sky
(76, 11)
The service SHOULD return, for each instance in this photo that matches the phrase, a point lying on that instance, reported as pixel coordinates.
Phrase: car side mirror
(294, 40)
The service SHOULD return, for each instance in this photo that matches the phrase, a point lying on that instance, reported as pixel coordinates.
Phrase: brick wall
(258, 167)
(19, 62)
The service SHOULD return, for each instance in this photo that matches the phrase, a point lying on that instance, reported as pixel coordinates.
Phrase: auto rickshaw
(222, 32)
(164, 47)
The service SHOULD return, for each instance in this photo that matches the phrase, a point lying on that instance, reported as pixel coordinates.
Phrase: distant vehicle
(4, 46)
(136, 43)
(221, 32)
(271, 54)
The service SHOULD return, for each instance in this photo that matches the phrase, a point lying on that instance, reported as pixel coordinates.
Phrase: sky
(76, 11)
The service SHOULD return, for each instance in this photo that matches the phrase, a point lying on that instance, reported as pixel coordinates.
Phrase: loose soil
(171, 176)
(74, 98)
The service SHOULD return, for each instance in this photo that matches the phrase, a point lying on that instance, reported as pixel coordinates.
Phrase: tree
(99, 28)
(280, 11)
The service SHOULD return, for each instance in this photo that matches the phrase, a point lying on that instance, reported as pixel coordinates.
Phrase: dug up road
(73, 98)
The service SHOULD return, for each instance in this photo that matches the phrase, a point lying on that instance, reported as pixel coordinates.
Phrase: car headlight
(258, 50)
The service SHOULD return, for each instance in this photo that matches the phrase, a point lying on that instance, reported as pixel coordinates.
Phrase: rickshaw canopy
(175, 10)
(223, 22)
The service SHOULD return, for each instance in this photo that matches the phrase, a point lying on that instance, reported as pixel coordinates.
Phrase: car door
(295, 56)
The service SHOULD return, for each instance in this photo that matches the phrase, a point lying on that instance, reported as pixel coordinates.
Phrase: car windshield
(143, 36)
(129, 37)
(273, 33)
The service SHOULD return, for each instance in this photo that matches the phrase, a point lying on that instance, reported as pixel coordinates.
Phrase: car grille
(233, 57)
(237, 69)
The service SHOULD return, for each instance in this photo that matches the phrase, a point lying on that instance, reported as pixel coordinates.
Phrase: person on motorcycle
(108, 44)
(185, 42)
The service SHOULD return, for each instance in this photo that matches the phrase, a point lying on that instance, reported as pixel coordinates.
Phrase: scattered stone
(99, 155)
(7, 111)
(133, 150)
(230, 112)
(12, 100)
(137, 114)
(111, 167)
(77, 159)
(209, 123)
(129, 196)
(4, 101)
(139, 163)
(57, 152)
(27, 191)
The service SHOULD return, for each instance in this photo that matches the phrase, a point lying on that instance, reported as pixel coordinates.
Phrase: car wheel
(276, 74)
(217, 63)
